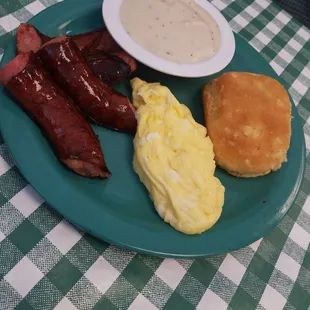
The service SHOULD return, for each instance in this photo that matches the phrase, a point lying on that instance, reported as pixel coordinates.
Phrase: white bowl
(225, 53)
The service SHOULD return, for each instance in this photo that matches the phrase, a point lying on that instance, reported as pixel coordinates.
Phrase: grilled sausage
(109, 68)
(28, 38)
(98, 101)
(74, 142)
(31, 39)
(85, 39)
(105, 43)
(130, 61)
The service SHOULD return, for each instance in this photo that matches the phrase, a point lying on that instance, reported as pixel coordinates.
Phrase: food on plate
(178, 30)
(101, 103)
(102, 53)
(28, 38)
(105, 43)
(174, 159)
(101, 47)
(31, 39)
(108, 67)
(83, 40)
(130, 61)
(74, 142)
(248, 118)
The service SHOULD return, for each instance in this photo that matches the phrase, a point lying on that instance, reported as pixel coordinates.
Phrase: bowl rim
(224, 55)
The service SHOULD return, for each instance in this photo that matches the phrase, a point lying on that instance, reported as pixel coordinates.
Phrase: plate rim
(136, 248)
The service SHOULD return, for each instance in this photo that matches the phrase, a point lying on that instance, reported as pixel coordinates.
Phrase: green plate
(118, 210)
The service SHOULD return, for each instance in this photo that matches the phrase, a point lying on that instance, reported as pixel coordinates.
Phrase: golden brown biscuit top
(248, 119)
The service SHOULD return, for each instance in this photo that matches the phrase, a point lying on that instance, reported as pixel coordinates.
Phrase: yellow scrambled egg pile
(174, 159)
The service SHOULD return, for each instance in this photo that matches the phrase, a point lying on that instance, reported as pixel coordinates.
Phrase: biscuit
(248, 118)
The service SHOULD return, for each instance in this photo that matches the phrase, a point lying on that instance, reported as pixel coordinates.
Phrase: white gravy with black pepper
(178, 30)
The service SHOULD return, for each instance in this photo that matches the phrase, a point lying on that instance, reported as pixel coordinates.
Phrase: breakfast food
(109, 68)
(179, 30)
(248, 118)
(28, 38)
(102, 53)
(74, 141)
(98, 101)
(105, 43)
(83, 40)
(174, 159)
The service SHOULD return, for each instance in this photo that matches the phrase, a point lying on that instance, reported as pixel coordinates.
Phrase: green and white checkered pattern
(45, 263)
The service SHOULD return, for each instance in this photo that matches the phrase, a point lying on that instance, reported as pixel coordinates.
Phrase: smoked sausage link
(101, 103)
(28, 38)
(102, 53)
(74, 141)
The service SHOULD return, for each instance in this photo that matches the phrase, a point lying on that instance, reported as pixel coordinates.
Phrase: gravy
(177, 30)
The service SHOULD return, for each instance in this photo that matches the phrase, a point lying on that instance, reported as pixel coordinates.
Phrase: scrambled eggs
(174, 159)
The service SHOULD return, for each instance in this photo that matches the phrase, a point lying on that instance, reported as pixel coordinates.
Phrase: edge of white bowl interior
(225, 53)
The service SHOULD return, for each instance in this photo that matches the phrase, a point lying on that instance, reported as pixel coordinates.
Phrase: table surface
(45, 263)
(300, 9)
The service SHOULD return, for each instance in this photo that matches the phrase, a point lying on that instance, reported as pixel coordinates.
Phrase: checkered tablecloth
(46, 263)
